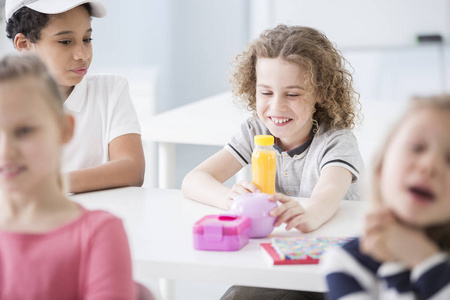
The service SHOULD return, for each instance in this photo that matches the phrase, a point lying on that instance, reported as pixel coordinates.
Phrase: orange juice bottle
(264, 164)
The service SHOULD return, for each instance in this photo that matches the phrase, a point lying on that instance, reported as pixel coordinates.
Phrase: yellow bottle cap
(264, 140)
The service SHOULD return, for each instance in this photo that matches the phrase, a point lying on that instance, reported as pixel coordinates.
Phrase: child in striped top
(403, 252)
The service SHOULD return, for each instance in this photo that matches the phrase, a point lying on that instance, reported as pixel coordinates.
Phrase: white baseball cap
(50, 7)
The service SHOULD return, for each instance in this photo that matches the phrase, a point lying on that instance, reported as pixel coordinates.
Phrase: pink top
(89, 258)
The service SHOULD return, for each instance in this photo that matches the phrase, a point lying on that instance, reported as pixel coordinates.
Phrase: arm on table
(125, 168)
(205, 182)
(331, 188)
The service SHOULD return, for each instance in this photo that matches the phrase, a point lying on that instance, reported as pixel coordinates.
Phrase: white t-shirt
(103, 110)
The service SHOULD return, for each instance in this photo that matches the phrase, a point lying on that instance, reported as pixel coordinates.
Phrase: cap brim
(51, 7)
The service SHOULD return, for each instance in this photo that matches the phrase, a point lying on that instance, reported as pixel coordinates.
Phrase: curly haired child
(403, 252)
(106, 150)
(295, 82)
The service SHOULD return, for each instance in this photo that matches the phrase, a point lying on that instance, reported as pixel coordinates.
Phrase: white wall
(184, 46)
(367, 23)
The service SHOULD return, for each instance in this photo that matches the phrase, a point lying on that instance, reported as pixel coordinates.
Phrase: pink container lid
(228, 224)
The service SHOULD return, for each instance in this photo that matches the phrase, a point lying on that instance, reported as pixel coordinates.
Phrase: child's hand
(291, 213)
(386, 239)
(375, 236)
(240, 188)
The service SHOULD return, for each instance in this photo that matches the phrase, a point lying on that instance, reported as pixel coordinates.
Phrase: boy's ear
(21, 42)
(68, 128)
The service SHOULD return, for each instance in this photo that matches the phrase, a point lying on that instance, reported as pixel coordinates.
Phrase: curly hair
(438, 233)
(326, 77)
(30, 23)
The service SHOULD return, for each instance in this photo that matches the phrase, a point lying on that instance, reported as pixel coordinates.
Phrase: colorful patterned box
(302, 247)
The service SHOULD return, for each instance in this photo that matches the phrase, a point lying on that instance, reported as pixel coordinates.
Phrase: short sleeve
(241, 145)
(342, 150)
(108, 267)
(431, 278)
(124, 118)
(345, 276)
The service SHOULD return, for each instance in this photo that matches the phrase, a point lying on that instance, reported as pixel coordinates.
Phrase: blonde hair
(17, 67)
(326, 77)
(440, 234)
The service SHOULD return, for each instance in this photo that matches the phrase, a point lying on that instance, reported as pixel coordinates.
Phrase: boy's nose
(278, 103)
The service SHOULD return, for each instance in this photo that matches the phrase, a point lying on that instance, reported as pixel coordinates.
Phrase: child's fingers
(378, 220)
(286, 211)
(374, 245)
(301, 222)
(284, 207)
(239, 189)
(280, 197)
(372, 224)
(250, 186)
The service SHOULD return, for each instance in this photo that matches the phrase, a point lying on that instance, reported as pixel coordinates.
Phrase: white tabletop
(211, 121)
(159, 225)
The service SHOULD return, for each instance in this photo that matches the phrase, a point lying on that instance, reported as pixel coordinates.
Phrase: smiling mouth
(279, 120)
(9, 172)
(422, 194)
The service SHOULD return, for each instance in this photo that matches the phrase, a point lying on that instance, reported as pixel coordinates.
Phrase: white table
(211, 122)
(159, 226)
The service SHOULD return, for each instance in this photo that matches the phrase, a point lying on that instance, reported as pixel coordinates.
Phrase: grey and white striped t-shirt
(298, 170)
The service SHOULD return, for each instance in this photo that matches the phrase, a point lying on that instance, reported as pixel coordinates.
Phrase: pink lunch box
(221, 232)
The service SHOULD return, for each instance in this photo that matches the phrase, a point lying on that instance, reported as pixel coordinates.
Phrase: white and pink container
(257, 207)
(221, 232)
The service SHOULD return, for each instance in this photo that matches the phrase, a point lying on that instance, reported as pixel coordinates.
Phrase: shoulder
(349, 254)
(99, 219)
(253, 126)
(326, 134)
(344, 273)
(352, 248)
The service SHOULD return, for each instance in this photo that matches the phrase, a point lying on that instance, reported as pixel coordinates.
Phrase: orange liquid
(264, 165)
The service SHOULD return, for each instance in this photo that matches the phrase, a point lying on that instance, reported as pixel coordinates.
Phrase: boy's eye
(24, 131)
(65, 42)
(87, 40)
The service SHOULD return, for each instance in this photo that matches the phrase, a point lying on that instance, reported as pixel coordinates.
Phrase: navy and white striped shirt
(351, 275)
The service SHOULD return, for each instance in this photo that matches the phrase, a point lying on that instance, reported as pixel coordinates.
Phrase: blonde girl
(403, 252)
(50, 247)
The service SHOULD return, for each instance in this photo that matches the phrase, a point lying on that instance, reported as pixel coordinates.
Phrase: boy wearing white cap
(106, 151)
